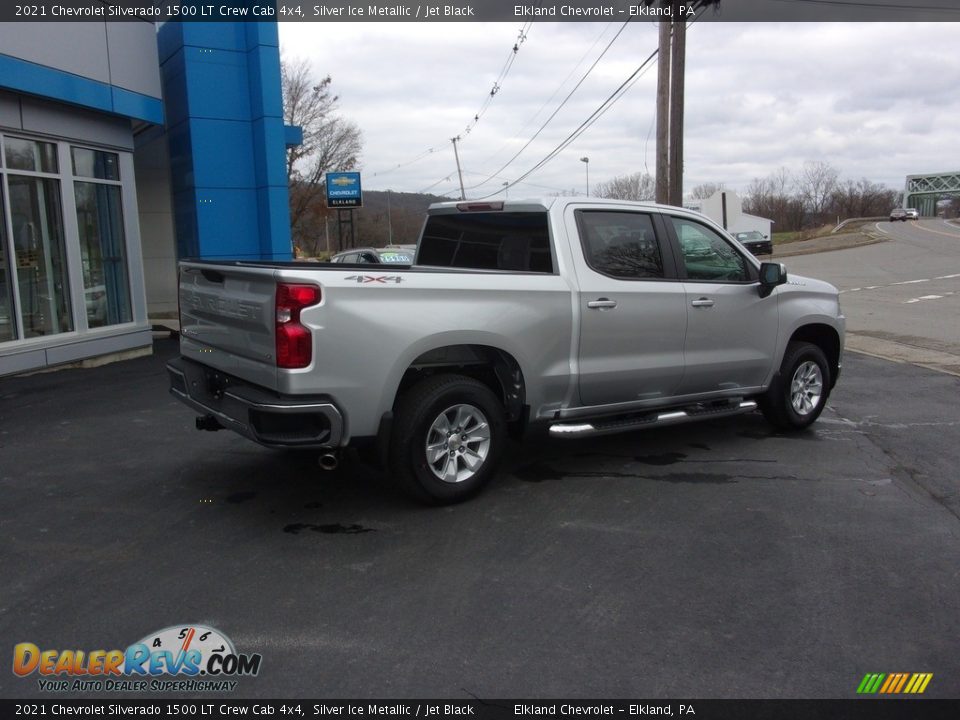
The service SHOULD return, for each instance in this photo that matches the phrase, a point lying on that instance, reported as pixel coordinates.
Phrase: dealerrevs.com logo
(180, 658)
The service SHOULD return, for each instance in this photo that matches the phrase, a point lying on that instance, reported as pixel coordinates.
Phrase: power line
(599, 112)
(559, 107)
(497, 85)
(553, 95)
(594, 116)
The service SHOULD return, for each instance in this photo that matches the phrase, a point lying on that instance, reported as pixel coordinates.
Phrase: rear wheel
(799, 393)
(448, 437)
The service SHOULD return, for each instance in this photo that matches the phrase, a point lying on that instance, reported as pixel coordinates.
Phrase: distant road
(901, 298)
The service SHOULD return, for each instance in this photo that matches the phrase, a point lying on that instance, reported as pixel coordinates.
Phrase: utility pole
(671, 61)
(463, 194)
(670, 69)
(677, 57)
(663, 115)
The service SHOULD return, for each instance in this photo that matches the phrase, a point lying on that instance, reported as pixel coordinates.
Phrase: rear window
(517, 241)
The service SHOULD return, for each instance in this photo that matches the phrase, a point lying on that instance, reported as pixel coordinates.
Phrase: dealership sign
(343, 190)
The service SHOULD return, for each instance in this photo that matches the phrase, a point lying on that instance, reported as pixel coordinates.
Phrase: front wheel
(449, 435)
(799, 393)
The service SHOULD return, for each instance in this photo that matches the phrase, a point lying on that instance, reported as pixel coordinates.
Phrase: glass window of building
(8, 325)
(30, 155)
(41, 264)
(95, 164)
(102, 241)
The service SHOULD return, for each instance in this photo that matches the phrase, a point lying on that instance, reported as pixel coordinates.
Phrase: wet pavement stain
(699, 446)
(313, 505)
(538, 472)
(241, 496)
(330, 529)
(668, 458)
(699, 478)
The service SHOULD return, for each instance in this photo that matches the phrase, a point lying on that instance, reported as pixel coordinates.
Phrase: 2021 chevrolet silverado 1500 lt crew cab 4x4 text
(588, 317)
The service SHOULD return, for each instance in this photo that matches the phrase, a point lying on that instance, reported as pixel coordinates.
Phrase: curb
(862, 241)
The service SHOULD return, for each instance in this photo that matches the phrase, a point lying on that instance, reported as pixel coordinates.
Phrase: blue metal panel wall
(28, 77)
(227, 139)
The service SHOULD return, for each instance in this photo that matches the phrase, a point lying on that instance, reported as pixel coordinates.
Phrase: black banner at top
(405, 709)
(481, 11)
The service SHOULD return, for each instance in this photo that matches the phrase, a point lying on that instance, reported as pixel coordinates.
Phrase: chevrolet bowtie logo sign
(343, 190)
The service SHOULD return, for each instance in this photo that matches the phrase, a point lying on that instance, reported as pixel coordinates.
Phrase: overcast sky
(875, 100)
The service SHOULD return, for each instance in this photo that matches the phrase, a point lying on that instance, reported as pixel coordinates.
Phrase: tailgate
(227, 319)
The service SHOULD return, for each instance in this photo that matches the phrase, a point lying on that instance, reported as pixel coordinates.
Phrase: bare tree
(861, 198)
(330, 143)
(953, 209)
(816, 184)
(775, 197)
(816, 195)
(705, 190)
(638, 186)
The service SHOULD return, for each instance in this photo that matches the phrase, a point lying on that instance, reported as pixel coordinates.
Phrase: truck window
(517, 241)
(620, 244)
(706, 255)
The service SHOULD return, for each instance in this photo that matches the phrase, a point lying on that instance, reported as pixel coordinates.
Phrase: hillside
(372, 228)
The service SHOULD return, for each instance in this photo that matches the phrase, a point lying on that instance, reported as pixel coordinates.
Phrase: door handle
(702, 302)
(602, 304)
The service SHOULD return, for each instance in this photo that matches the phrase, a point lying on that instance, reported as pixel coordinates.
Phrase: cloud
(758, 96)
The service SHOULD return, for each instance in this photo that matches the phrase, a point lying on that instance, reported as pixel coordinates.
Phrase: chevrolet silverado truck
(584, 317)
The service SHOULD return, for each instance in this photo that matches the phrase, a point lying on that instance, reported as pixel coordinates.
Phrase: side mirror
(771, 275)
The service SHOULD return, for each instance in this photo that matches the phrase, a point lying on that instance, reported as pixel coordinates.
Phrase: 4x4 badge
(375, 278)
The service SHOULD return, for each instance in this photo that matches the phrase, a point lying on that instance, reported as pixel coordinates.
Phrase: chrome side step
(617, 424)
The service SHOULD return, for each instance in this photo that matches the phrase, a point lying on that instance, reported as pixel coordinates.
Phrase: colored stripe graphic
(870, 683)
(903, 679)
(894, 683)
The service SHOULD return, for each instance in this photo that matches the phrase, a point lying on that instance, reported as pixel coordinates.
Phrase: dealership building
(123, 147)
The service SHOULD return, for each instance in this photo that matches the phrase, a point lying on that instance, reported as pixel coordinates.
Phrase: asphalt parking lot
(715, 560)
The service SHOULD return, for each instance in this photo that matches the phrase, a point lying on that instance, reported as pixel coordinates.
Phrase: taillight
(294, 342)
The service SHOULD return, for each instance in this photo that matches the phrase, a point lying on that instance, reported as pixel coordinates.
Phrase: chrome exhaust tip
(329, 461)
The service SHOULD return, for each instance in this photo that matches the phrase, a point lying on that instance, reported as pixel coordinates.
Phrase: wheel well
(827, 339)
(496, 369)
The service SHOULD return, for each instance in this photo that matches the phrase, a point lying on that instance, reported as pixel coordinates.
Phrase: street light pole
(506, 191)
(586, 163)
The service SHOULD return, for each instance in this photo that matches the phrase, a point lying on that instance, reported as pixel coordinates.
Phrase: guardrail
(855, 220)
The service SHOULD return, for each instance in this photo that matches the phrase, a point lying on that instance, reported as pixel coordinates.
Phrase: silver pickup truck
(585, 317)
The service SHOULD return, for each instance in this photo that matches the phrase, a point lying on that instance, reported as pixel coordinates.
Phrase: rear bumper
(263, 416)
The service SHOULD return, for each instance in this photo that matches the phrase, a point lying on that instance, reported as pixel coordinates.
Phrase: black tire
(429, 412)
(791, 406)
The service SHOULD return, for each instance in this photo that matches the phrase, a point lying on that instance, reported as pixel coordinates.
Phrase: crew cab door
(632, 307)
(731, 331)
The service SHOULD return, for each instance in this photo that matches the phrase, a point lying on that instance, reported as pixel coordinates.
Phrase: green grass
(781, 238)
